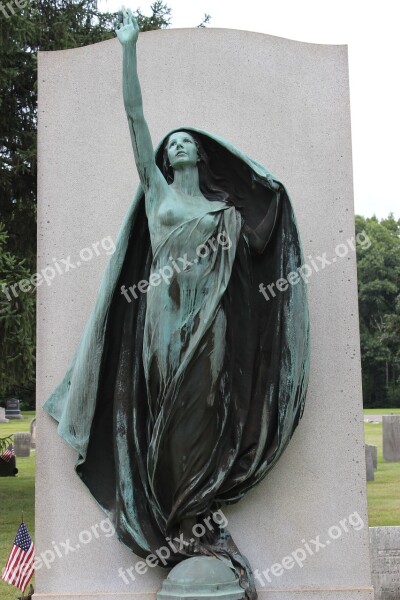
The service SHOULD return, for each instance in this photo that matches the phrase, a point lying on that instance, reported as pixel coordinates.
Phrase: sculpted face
(182, 150)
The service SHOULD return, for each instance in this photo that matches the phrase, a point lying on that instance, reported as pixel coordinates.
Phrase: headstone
(369, 463)
(373, 450)
(22, 444)
(13, 410)
(33, 433)
(286, 104)
(3, 415)
(391, 437)
(385, 562)
(8, 468)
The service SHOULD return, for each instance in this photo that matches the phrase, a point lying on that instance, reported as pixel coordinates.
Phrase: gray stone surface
(286, 104)
(385, 562)
(3, 415)
(22, 444)
(391, 437)
(373, 450)
(369, 463)
(32, 428)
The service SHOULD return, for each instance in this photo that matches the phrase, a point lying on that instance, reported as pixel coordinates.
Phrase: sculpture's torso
(174, 209)
(184, 335)
(186, 254)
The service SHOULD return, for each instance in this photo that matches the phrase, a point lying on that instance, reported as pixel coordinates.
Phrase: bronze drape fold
(103, 404)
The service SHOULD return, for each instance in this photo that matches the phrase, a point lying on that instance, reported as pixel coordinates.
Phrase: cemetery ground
(16, 496)
(17, 493)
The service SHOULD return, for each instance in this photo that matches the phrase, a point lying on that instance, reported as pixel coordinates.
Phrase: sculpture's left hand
(126, 27)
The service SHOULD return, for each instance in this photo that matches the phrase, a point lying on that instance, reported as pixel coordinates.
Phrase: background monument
(13, 410)
(391, 437)
(286, 104)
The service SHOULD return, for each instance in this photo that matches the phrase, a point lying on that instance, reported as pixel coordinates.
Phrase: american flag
(8, 454)
(19, 568)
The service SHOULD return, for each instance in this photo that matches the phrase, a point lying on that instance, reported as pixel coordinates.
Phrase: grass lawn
(16, 495)
(384, 491)
(381, 411)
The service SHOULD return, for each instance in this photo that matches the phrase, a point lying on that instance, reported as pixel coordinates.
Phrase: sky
(370, 29)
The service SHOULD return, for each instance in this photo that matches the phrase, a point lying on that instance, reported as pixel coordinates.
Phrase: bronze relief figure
(187, 384)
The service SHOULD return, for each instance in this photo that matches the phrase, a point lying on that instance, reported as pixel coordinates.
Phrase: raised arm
(127, 31)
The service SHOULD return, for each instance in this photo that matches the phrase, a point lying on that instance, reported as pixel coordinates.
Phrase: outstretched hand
(126, 27)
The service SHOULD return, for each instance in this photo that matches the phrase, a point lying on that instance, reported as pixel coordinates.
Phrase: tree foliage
(205, 21)
(379, 306)
(17, 324)
(159, 19)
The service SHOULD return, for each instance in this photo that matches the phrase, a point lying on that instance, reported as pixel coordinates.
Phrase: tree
(40, 25)
(205, 21)
(159, 19)
(379, 306)
(17, 324)
(391, 338)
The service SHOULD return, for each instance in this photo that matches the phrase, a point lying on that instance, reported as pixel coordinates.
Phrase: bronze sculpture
(197, 380)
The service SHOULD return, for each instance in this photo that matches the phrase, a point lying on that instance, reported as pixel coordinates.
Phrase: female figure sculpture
(197, 382)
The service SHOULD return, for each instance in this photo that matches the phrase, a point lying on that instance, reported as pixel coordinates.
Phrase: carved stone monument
(3, 415)
(373, 450)
(13, 410)
(8, 468)
(32, 428)
(391, 437)
(369, 463)
(385, 562)
(22, 443)
(285, 104)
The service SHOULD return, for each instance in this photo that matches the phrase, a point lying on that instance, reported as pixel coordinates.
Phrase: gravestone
(385, 562)
(373, 450)
(33, 433)
(8, 468)
(391, 437)
(13, 410)
(3, 415)
(369, 464)
(286, 104)
(22, 444)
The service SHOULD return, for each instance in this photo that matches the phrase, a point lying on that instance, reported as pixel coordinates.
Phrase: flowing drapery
(226, 389)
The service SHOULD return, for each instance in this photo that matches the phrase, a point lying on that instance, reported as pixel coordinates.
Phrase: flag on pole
(19, 568)
(8, 454)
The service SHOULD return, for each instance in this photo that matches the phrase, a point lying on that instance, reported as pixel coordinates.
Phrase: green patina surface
(197, 379)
